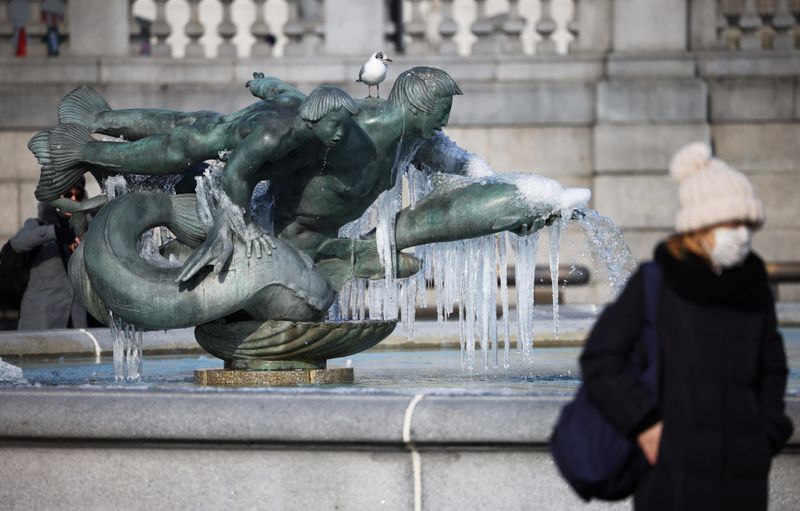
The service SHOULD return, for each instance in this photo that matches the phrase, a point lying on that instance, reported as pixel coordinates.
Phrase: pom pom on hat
(692, 158)
(711, 192)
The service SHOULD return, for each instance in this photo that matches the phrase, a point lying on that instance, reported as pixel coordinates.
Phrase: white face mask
(731, 246)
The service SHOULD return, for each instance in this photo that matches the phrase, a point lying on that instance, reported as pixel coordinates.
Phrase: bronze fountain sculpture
(259, 300)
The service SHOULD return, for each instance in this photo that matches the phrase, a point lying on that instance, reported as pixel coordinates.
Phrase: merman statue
(327, 157)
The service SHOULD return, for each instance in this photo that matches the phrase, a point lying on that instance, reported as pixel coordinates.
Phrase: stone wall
(295, 450)
(610, 123)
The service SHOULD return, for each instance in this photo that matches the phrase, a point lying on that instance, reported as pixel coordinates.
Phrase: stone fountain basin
(137, 446)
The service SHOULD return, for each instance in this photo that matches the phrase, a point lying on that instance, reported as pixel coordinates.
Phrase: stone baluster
(305, 28)
(36, 30)
(545, 28)
(591, 27)
(226, 30)
(260, 30)
(294, 30)
(766, 10)
(732, 34)
(512, 28)
(6, 32)
(133, 31)
(783, 24)
(311, 13)
(415, 29)
(483, 29)
(447, 29)
(194, 31)
(573, 27)
(161, 31)
(750, 24)
(795, 9)
(393, 31)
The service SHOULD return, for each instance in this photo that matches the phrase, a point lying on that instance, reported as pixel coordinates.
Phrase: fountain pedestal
(284, 352)
(256, 378)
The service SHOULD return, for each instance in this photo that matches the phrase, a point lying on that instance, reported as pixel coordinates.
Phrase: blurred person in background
(48, 301)
(711, 433)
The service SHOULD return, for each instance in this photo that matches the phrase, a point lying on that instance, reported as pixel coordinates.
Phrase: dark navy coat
(723, 379)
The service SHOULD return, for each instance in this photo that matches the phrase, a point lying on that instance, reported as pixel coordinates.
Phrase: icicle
(503, 263)
(555, 242)
(525, 271)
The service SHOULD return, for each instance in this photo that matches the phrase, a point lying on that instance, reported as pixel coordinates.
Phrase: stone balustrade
(302, 28)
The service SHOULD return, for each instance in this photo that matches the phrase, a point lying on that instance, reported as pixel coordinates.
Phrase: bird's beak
(387, 60)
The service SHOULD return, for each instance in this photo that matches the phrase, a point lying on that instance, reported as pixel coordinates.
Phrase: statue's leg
(137, 123)
(156, 154)
(85, 107)
(67, 151)
(474, 210)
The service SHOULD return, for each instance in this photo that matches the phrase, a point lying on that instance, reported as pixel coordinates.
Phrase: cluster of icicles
(467, 276)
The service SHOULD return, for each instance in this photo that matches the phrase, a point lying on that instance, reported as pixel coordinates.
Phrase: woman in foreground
(719, 419)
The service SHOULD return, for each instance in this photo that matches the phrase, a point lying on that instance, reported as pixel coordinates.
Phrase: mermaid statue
(259, 295)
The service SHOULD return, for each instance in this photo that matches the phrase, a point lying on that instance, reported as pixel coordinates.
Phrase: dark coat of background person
(48, 301)
(723, 378)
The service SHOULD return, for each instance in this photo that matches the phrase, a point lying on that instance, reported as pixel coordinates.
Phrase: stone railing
(755, 25)
(302, 28)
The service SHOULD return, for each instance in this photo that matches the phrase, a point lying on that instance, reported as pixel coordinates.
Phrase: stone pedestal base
(248, 378)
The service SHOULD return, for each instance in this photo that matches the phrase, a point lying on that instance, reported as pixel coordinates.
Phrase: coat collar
(743, 287)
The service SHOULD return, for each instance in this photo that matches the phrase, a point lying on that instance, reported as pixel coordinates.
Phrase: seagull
(373, 72)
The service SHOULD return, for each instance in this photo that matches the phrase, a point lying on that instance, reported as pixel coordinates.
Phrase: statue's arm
(232, 216)
(269, 87)
(440, 154)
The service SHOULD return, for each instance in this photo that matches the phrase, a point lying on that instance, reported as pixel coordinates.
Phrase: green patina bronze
(257, 298)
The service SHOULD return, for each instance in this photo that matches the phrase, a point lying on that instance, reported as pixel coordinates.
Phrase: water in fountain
(608, 246)
(127, 349)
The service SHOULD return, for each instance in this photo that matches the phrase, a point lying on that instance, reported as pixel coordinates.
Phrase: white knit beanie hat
(711, 192)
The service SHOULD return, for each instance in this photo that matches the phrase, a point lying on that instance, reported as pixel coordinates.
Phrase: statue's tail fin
(39, 145)
(81, 106)
(60, 152)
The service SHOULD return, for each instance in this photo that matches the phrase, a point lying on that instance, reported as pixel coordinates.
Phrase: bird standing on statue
(373, 72)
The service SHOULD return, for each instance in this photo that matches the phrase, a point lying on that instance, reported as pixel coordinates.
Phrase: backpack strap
(653, 280)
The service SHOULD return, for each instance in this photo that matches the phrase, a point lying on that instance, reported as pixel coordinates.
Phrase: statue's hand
(216, 250)
(257, 239)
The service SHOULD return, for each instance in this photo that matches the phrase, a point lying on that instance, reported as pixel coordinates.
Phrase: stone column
(98, 28)
(650, 25)
(354, 27)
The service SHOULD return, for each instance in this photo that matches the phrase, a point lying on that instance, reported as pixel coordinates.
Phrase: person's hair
(420, 86)
(324, 100)
(682, 244)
